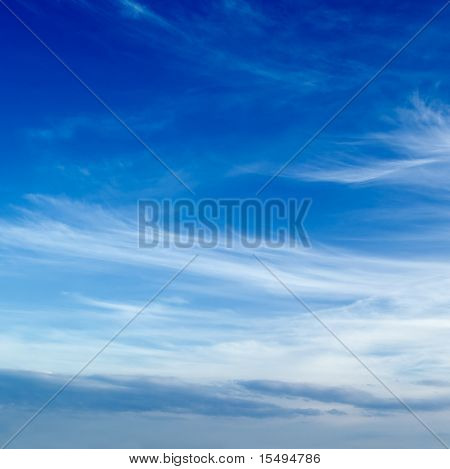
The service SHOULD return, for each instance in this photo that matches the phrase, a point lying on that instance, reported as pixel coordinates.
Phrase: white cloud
(419, 140)
(354, 173)
(392, 311)
(137, 10)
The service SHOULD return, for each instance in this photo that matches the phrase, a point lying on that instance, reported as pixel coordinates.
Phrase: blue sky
(224, 92)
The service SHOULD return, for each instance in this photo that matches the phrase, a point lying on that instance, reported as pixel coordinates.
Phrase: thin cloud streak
(420, 139)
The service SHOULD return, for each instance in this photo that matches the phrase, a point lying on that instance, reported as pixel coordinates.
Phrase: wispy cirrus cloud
(419, 143)
(213, 36)
(352, 171)
(375, 303)
(71, 127)
(141, 11)
(65, 228)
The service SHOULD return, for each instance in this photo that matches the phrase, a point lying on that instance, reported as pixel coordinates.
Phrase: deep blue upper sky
(209, 86)
(224, 92)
